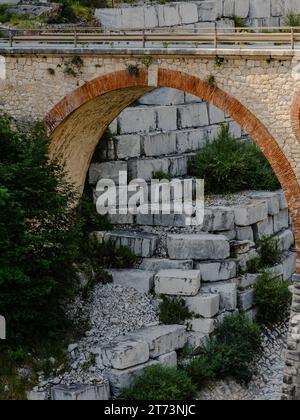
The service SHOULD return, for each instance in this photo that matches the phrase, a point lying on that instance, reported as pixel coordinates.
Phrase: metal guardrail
(288, 36)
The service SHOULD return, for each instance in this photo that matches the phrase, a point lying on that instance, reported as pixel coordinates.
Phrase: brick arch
(295, 115)
(125, 88)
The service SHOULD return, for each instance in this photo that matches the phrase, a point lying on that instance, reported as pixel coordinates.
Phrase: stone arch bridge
(79, 92)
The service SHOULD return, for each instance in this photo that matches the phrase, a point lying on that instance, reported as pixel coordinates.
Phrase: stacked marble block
(161, 133)
(209, 267)
(128, 356)
(197, 15)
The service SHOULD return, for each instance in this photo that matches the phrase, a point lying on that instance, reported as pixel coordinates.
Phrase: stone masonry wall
(197, 15)
(166, 121)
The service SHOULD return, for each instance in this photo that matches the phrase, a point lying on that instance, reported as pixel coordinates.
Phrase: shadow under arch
(79, 120)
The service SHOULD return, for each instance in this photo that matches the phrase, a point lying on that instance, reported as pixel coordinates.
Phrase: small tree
(39, 234)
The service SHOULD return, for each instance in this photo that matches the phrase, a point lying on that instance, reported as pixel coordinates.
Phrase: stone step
(121, 379)
(206, 305)
(197, 340)
(161, 339)
(122, 353)
(174, 165)
(286, 239)
(141, 244)
(251, 214)
(80, 392)
(177, 282)
(198, 246)
(145, 169)
(204, 326)
(157, 144)
(157, 264)
(141, 280)
(227, 292)
(212, 271)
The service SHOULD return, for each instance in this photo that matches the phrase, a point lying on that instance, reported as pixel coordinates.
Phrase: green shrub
(228, 165)
(269, 251)
(107, 255)
(173, 310)
(254, 265)
(292, 19)
(161, 175)
(39, 235)
(74, 11)
(273, 298)
(229, 353)
(159, 383)
(91, 220)
(238, 22)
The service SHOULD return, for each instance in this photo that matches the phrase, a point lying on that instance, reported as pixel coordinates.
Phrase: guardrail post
(216, 36)
(292, 39)
(144, 39)
(75, 38)
(11, 38)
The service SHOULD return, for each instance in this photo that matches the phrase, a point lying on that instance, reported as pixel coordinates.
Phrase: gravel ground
(266, 383)
(111, 311)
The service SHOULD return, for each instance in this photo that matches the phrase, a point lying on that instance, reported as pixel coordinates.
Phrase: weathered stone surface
(201, 325)
(163, 96)
(246, 299)
(190, 140)
(166, 117)
(244, 233)
(123, 353)
(260, 8)
(263, 228)
(197, 340)
(205, 305)
(227, 292)
(36, 396)
(145, 168)
(157, 264)
(243, 259)
(141, 280)
(286, 239)
(121, 379)
(121, 219)
(140, 243)
(246, 280)
(137, 120)
(168, 359)
(217, 270)
(193, 115)
(106, 170)
(242, 8)
(127, 146)
(179, 164)
(289, 266)
(241, 247)
(272, 198)
(161, 339)
(282, 200)
(281, 220)
(178, 282)
(216, 115)
(247, 215)
(223, 219)
(199, 247)
(209, 10)
(158, 144)
(81, 392)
